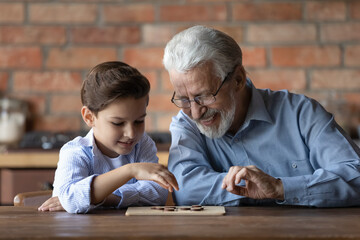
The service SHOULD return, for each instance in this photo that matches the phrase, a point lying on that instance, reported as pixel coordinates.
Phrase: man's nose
(197, 111)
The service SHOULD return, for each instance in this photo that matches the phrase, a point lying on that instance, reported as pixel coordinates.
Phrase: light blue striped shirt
(288, 136)
(80, 161)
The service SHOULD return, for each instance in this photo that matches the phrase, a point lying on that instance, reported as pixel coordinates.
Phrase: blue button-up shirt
(286, 135)
(80, 161)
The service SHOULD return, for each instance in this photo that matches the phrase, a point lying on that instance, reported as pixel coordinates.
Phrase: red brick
(279, 79)
(79, 58)
(154, 34)
(57, 123)
(164, 120)
(66, 104)
(353, 99)
(152, 77)
(336, 79)
(306, 56)
(106, 35)
(339, 32)
(36, 102)
(261, 11)
(149, 123)
(128, 13)
(20, 57)
(254, 56)
(4, 78)
(161, 103)
(355, 9)
(165, 82)
(32, 34)
(281, 33)
(47, 81)
(186, 13)
(12, 13)
(140, 57)
(352, 55)
(326, 10)
(62, 13)
(236, 32)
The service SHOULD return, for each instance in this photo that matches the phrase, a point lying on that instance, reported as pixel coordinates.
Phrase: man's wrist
(280, 190)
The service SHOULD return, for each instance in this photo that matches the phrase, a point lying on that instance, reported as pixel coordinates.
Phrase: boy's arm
(104, 184)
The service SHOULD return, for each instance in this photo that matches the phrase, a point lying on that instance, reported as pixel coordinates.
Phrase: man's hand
(259, 185)
(52, 205)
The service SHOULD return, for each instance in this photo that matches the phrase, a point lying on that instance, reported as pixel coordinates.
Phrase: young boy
(115, 164)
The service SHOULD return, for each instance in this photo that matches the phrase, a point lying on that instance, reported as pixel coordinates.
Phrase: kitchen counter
(44, 159)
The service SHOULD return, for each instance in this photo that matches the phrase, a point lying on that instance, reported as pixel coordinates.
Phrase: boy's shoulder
(80, 142)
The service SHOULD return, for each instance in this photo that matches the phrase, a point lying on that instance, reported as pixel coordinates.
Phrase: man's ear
(240, 76)
(88, 116)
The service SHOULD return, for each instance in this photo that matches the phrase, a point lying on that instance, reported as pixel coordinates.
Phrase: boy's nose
(129, 131)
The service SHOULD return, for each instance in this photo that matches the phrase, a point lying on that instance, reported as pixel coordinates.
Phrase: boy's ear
(88, 116)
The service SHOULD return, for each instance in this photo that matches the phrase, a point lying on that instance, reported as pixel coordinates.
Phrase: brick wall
(46, 48)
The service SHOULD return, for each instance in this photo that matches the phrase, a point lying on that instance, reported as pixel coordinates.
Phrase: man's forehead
(192, 83)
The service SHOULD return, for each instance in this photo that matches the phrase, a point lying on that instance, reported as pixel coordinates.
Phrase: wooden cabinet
(26, 171)
(14, 181)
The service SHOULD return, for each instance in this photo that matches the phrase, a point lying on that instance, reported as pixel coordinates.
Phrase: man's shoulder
(282, 94)
(285, 97)
(181, 119)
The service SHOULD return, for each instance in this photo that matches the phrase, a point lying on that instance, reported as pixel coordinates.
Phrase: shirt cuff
(129, 195)
(295, 191)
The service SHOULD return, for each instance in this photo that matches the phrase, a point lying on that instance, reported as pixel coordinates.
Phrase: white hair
(198, 45)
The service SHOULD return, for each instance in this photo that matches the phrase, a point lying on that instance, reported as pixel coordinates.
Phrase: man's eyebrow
(203, 93)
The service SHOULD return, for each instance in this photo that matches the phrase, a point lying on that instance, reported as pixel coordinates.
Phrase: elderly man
(234, 144)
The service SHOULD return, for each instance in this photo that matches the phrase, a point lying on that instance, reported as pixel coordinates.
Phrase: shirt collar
(89, 141)
(257, 109)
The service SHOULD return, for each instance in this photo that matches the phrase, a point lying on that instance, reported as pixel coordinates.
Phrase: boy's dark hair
(110, 81)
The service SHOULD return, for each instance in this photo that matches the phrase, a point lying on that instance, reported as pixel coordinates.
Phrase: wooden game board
(207, 210)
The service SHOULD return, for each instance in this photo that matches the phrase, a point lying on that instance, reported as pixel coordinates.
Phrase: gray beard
(227, 117)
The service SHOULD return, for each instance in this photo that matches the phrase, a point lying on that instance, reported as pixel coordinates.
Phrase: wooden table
(238, 223)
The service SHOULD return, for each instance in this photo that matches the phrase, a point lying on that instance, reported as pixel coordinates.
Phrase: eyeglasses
(203, 100)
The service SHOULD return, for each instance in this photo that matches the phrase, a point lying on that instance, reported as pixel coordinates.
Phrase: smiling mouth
(127, 143)
(208, 121)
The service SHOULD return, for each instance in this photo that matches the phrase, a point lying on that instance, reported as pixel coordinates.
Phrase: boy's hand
(154, 172)
(52, 205)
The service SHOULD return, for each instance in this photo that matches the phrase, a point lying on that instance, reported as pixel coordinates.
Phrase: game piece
(157, 208)
(194, 206)
(185, 208)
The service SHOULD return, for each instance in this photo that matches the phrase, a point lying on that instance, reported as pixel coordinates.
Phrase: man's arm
(199, 182)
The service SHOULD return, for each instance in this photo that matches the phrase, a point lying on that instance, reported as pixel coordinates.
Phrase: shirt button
(294, 165)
